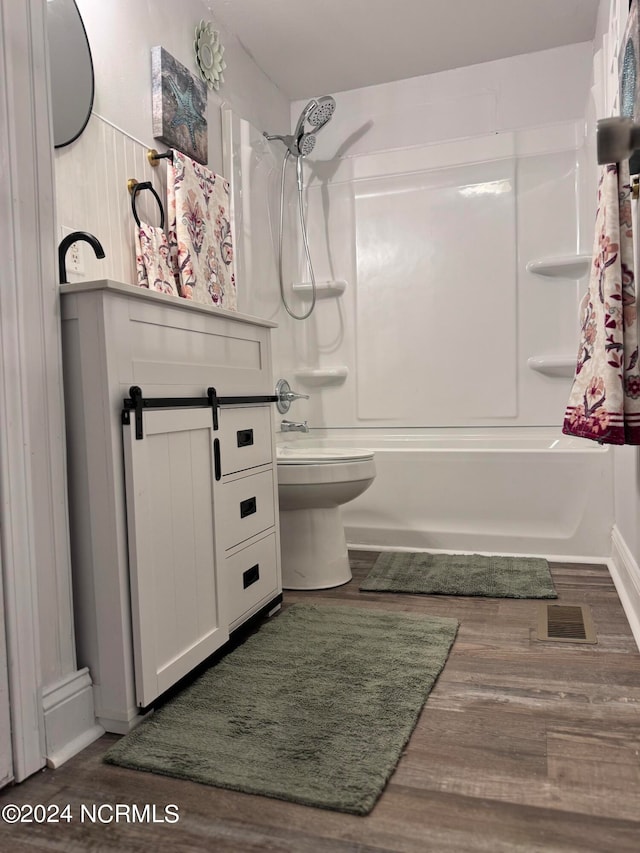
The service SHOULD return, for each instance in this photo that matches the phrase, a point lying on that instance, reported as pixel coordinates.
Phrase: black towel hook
(134, 188)
(153, 157)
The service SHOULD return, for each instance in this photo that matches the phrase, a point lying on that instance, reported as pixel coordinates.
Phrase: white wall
(529, 109)
(121, 35)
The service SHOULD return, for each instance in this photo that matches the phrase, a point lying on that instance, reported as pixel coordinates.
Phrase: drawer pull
(216, 459)
(248, 507)
(245, 437)
(251, 575)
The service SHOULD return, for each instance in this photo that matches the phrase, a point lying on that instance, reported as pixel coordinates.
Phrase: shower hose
(305, 239)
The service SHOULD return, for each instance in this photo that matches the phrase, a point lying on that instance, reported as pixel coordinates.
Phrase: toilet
(313, 482)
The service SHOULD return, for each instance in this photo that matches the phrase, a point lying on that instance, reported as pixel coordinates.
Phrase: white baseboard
(69, 720)
(625, 573)
(553, 558)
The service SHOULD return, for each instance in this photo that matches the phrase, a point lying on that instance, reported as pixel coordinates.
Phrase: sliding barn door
(178, 614)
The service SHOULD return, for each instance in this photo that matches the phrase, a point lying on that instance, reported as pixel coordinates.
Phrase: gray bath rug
(460, 574)
(315, 708)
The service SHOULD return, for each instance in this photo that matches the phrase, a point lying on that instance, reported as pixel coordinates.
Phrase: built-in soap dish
(322, 375)
(323, 288)
(553, 365)
(561, 266)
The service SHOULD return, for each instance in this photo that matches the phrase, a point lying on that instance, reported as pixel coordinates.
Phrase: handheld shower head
(321, 111)
(316, 114)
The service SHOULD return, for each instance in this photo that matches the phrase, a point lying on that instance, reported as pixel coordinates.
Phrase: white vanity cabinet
(172, 481)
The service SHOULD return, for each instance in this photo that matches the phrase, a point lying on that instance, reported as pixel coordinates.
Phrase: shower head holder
(316, 114)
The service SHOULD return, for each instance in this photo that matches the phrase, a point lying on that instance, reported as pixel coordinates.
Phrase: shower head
(321, 111)
(316, 113)
(306, 144)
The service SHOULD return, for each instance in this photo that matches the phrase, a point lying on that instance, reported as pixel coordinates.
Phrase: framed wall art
(179, 106)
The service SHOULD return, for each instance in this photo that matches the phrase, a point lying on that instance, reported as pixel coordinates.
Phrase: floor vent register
(566, 623)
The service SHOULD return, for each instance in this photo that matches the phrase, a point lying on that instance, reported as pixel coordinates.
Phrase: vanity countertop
(154, 296)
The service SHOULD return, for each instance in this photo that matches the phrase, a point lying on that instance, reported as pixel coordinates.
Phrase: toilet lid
(321, 455)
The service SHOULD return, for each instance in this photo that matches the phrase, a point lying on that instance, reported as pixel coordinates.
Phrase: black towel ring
(134, 188)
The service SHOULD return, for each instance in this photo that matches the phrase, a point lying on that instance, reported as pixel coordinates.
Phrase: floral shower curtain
(604, 403)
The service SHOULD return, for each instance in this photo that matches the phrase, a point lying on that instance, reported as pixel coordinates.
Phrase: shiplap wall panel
(91, 195)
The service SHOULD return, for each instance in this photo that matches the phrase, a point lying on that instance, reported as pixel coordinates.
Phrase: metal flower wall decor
(209, 52)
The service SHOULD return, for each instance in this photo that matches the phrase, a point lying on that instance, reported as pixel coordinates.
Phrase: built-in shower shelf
(322, 375)
(323, 288)
(553, 365)
(561, 266)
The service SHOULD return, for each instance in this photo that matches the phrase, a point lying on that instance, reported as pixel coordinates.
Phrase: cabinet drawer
(247, 507)
(245, 437)
(250, 575)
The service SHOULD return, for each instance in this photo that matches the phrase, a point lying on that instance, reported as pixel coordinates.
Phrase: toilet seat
(320, 455)
(314, 465)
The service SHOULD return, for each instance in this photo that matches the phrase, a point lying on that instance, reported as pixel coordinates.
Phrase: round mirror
(71, 71)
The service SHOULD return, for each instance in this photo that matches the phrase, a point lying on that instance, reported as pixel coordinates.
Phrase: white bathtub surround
(399, 189)
(502, 491)
(313, 483)
(396, 183)
(407, 223)
(406, 229)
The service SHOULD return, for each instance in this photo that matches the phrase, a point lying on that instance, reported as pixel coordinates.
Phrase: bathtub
(527, 491)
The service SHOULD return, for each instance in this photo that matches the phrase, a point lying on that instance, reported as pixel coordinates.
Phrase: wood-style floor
(521, 746)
